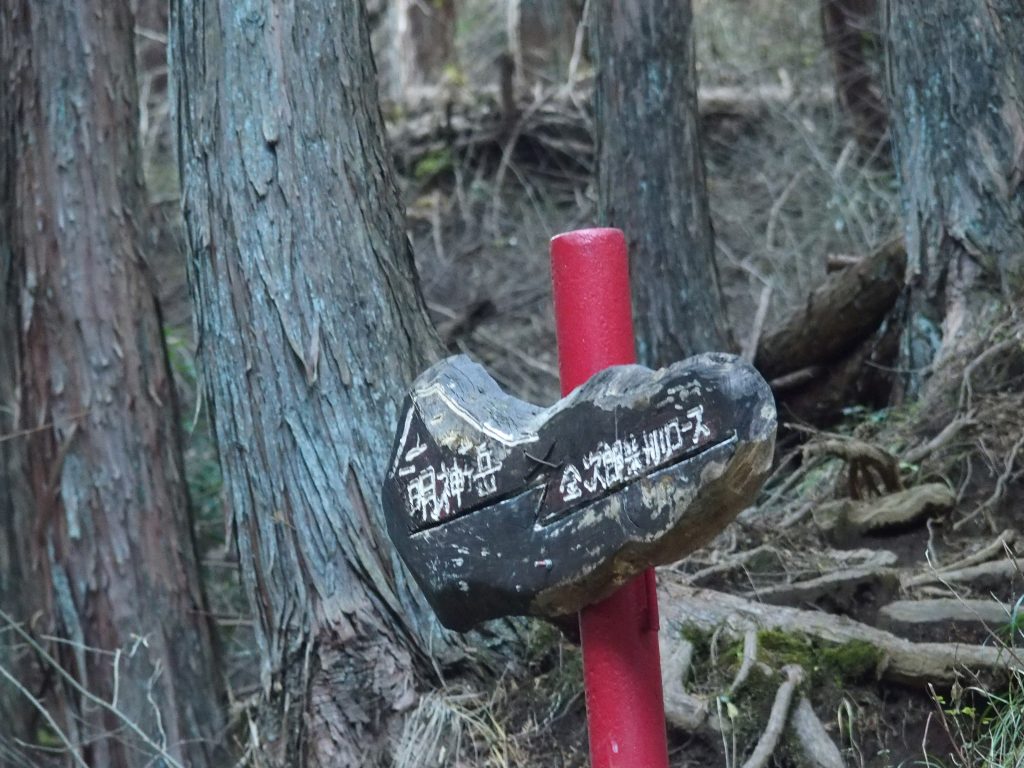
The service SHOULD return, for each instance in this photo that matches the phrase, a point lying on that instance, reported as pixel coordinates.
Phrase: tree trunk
(111, 541)
(311, 327)
(651, 174)
(547, 31)
(957, 112)
(422, 43)
(848, 26)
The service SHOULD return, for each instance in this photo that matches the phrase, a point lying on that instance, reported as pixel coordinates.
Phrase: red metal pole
(621, 664)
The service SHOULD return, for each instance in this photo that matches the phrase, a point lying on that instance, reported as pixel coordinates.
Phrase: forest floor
(890, 528)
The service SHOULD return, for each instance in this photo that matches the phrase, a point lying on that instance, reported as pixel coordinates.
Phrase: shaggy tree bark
(110, 549)
(651, 175)
(957, 98)
(311, 327)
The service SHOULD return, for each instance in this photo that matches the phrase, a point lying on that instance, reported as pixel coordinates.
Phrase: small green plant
(985, 728)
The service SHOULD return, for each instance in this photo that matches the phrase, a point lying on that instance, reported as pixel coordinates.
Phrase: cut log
(900, 660)
(841, 313)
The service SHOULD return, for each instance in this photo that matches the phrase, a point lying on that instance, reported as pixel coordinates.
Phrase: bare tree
(651, 174)
(311, 327)
(957, 98)
(108, 564)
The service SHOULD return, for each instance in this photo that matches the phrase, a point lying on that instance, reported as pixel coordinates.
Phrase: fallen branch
(1000, 546)
(989, 505)
(846, 309)
(901, 660)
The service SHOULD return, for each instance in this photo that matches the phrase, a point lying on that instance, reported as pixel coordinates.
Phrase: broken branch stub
(499, 507)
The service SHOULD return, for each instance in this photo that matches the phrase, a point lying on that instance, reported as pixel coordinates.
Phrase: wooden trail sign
(499, 507)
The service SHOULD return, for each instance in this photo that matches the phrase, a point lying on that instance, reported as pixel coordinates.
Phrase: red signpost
(621, 663)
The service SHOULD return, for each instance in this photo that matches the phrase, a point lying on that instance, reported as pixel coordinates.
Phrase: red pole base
(621, 662)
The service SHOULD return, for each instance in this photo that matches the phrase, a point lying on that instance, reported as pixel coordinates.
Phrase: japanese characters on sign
(438, 486)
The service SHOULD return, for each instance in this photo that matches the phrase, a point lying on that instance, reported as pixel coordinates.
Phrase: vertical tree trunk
(847, 26)
(10, 561)
(111, 540)
(547, 31)
(651, 174)
(422, 43)
(956, 86)
(312, 325)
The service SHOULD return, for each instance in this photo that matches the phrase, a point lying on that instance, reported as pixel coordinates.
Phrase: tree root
(868, 464)
(845, 518)
(777, 719)
(817, 745)
(900, 660)
(995, 570)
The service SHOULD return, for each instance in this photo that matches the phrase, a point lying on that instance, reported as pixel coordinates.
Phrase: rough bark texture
(15, 509)
(422, 43)
(547, 31)
(847, 28)
(843, 311)
(111, 545)
(957, 101)
(651, 175)
(311, 328)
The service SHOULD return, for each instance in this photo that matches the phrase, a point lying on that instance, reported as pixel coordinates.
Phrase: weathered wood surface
(500, 507)
(901, 660)
(311, 328)
(956, 97)
(650, 174)
(107, 555)
(838, 316)
(846, 519)
(979, 621)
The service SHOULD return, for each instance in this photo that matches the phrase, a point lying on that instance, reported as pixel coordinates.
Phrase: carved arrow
(499, 507)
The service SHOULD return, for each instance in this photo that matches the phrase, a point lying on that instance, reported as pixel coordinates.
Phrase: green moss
(431, 164)
(824, 662)
(854, 661)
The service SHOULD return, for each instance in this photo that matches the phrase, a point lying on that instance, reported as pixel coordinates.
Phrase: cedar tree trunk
(651, 174)
(311, 327)
(110, 551)
(547, 31)
(848, 27)
(422, 43)
(956, 87)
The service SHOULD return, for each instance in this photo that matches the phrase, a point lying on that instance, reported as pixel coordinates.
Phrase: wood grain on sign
(500, 507)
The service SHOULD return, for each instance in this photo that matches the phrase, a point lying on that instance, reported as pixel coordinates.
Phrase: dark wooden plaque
(500, 507)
